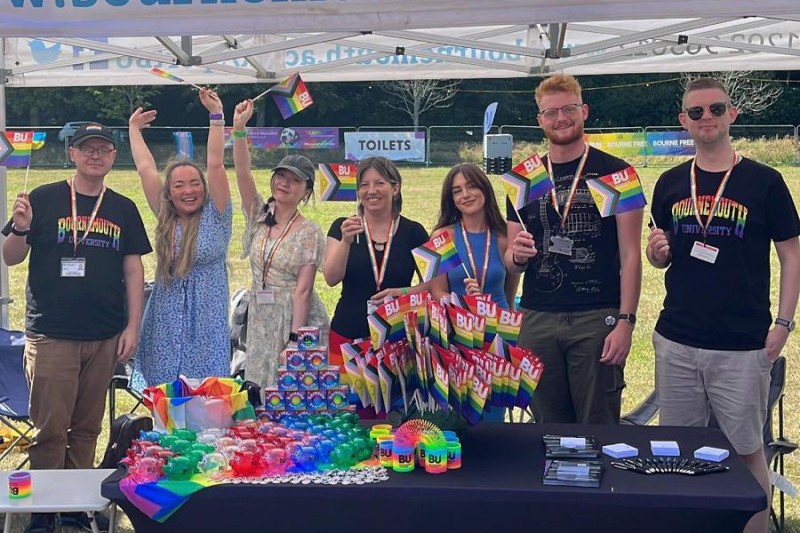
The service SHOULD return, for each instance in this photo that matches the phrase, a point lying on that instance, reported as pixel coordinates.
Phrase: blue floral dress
(185, 326)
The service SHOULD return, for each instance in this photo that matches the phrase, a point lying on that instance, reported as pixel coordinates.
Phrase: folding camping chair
(14, 393)
(121, 381)
(776, 447)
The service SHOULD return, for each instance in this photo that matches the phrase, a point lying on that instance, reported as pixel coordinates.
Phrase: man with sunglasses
(85, 243)
(583, 273)
(716, 216)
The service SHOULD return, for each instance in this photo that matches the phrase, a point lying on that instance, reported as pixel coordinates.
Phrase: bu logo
(509, 318)
(392, 307)
(439, 241)
(344, 170)
(619, 177)
(405, 458)
(434, 459)
(532, 162)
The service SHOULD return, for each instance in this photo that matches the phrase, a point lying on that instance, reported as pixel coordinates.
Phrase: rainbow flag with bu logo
(436, 257)
(22, 141)
(338, 182)
(618, 192)
(291, 96)
(527, 182)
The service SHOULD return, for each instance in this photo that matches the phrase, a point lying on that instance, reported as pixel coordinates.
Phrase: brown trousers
(68, 381)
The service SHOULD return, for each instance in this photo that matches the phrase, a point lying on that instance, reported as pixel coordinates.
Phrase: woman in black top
(356, 249)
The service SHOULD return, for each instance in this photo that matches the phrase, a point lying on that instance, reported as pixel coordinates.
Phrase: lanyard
(572, 189)
(717, 195)
(267, 257)
(379, 274)
(74, 211)
(472, 258)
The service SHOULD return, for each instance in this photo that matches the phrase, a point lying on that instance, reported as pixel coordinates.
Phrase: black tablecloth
(498, 489)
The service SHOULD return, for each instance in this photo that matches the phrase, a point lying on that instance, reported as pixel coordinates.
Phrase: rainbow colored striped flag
(291, 95)
(441, 388)
(338, 182)
(508, 325)
(166, 75)
(386, 323)
(22, 142)
(160, 499)
(463, 325)
(436, 257)
(527, 182)
(618, 192)
(476, 399)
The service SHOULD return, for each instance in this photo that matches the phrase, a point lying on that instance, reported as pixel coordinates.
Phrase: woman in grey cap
(285, 250)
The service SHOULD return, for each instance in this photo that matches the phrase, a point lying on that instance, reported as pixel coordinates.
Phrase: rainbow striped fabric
(338, 182)
(618, 192)
(166, 75)
(22, 142)
(291, 96)
(436, 257)
(527, 182)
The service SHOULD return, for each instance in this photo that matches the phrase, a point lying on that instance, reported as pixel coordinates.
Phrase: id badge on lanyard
(265, 296)
(73, 267)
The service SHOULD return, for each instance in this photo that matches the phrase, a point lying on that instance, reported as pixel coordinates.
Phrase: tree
(414, 97)
(751, 94)
(120, 101)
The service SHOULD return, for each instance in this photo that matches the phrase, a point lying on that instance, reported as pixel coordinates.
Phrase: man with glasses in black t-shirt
(715, 218)
(583, 272)
(85, 243)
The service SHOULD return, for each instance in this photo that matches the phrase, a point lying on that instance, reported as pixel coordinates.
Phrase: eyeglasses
(570, 110)
(696, 113)
(89, 151)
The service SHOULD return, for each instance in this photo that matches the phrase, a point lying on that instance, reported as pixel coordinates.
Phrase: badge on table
(560, 245)
(704, 252)
(73, 267)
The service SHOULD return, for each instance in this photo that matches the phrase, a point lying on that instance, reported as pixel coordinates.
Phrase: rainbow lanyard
(472, 258)
(266, 258)
(717, 195)
(572, 189)
(379, 275)
(74, 210)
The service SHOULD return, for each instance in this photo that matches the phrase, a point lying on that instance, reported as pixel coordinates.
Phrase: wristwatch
(629, 317)
(19, 232)
(788, 324)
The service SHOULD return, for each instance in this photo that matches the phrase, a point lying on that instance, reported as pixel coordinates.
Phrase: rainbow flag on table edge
(22, 142)
(617, 192)
(291, 95)
(527, 182)
(338, 182)
(435, 257)
(160, 499)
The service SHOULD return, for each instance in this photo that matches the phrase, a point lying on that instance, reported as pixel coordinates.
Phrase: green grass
(421, 190)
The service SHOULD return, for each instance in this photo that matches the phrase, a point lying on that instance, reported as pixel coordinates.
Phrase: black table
(498, 489)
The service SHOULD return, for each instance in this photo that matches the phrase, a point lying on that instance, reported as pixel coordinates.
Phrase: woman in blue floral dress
(185, 325)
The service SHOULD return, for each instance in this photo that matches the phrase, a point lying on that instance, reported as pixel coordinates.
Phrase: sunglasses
(696, 113)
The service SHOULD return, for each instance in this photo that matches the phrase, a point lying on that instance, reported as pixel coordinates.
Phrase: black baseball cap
(92, 130)
(299, 165)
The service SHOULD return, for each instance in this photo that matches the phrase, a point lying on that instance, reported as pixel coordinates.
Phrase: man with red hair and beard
(583, 273)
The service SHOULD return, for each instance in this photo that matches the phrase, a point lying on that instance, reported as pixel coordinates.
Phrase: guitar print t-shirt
(588, 278)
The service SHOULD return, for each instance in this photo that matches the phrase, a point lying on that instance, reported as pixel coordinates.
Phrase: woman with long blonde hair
(185, 324)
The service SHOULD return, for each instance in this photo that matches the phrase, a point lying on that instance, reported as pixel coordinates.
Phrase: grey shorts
(692, 383)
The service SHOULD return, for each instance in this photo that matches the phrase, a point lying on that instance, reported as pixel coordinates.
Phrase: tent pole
(4, 294)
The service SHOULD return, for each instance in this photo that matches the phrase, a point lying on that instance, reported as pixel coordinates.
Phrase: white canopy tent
(116, 42)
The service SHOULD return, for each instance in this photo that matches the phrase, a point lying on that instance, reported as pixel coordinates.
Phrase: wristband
(216, 122)
(216, 116)
(19, 232)
(240, 134)
(514, 260)
(404, 291)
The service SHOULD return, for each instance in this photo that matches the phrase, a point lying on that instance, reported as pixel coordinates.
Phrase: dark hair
(449, 213)
(389, 171)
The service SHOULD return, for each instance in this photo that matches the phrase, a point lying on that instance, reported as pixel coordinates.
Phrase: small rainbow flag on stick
(436, 257)
(22, 143)
(291, 95)
(171, 77)
(527, 182)
(338, 182)
(618, 192)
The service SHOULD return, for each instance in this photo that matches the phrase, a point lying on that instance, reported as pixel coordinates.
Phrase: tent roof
(95, 42)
